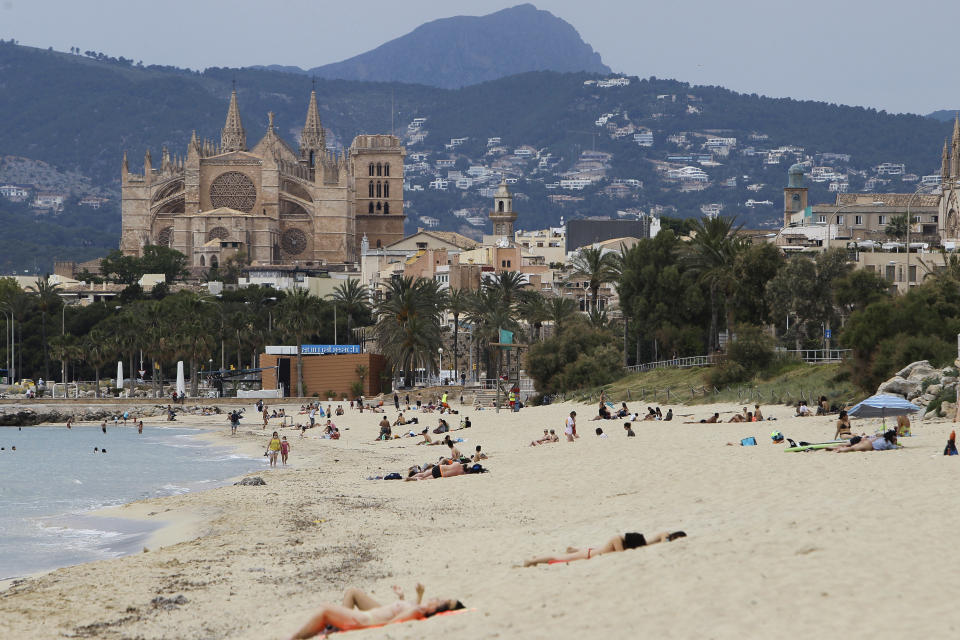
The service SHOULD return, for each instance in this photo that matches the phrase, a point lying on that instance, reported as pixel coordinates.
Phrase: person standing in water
(103, 426)
(284, 450)
(140, 427)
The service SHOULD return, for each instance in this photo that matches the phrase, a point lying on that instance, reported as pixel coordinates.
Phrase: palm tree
(489, 313)
(510, 284)
(408, 324)
(457, 303)
(195, 332)
(533, 310)
(97, 352)
(711, 256)
(559, 310)
(597, 266)
(48, 299)
(300, 318)
(353, 298)
(20, 304)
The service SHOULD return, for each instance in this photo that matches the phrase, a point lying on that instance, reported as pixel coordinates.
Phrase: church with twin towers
(307, 207)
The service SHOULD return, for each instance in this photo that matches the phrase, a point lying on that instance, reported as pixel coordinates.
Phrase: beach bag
(748, 442)
(393, 476)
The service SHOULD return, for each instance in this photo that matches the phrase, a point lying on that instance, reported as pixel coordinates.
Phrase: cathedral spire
(945, 161)
(233, 137)
(312, 140)
(125, 166)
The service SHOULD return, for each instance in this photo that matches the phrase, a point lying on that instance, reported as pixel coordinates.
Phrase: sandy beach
(790, 545)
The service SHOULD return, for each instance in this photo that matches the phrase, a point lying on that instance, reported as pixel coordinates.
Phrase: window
(912, 274)
(370, 169)
(379, 169)
(500, 206)
(386, 169)
(386, 207)
(934, 218)
(379, 207)
(378, 244)
(821, 218)
(839, 219)
(858, 220)
(370, 190)
(203, 261)
(379, 189)
(891, 272)
(370, 208)
(916, 218)
(214, 263)
(386, 189)
(508, 263)
(503, 263)
(881, 219)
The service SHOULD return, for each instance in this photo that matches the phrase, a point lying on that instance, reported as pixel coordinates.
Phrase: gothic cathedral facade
(276, 206)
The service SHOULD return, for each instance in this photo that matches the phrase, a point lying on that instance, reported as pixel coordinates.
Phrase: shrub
(752, 348)
(356, 388)
(727, 373)
(577, 357)
(947, 394)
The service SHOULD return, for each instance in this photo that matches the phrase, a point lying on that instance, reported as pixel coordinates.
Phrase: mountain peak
(463, 50)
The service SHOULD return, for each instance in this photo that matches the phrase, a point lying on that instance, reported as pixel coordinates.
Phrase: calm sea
(54, 478)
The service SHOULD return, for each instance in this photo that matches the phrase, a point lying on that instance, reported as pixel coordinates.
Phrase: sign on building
(314, 349)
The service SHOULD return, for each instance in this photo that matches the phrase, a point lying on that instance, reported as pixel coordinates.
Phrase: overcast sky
(887, 54)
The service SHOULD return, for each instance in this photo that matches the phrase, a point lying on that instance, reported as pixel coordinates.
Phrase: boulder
(921, 371)
(948, 380)
(934, 389)
(255, 481)
(907, 371)
(949, 409)
(900, 386)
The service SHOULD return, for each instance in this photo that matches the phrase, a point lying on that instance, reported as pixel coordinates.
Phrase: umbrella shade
(181, 386)
(882, 405)
(120, 374)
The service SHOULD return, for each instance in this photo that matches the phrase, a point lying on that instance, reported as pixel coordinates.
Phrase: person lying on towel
(614, 545)
(359, 611)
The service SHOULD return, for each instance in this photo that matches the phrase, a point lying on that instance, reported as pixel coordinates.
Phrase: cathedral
(270, 203)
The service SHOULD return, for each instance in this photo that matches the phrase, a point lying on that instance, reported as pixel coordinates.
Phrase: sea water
(54, 478)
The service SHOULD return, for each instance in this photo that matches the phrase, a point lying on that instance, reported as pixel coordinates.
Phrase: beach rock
(168, 603)
(949, 409)
(255, 481)
(948, 380)
(900, 386)
(934, 389)
(922, 372)
(908, 370)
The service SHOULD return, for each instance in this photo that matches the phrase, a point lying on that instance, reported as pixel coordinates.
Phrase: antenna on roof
(391, 111)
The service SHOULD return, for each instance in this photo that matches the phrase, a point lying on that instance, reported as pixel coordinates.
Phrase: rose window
(293, 241)
(233, 190)
(219, 233)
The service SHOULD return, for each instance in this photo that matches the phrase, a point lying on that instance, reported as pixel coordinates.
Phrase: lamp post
(909, 221)
(11, 334)
(440, 372)
(63, 334)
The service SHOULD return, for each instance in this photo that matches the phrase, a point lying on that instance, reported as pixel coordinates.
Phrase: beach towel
(377, 626)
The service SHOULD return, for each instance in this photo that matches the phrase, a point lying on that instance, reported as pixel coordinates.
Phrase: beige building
(274, 204)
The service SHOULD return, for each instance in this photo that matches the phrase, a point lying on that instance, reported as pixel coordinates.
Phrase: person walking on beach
(396, 401)
(273, 449)
(571, 427)
(284, 450)
(265, 417)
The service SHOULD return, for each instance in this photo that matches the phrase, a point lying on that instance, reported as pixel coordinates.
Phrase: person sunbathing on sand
(545, 438)
(883, 442)
(740, 417)
(359, 610)
(613, 545)
(711, 420)
(445, 471)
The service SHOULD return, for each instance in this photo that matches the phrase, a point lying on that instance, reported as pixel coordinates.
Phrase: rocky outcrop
(923, 385)
(24, 416)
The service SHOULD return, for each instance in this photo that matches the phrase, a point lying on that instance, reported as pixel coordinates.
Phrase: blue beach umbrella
(881, 406)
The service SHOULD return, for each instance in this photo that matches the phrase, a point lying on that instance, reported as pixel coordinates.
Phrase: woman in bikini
(442, 471)
(359, 611)
(883, 442)
(614, 545)
(843, 427)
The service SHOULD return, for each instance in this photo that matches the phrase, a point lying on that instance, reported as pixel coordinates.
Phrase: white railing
(813, 356)
(525, 384)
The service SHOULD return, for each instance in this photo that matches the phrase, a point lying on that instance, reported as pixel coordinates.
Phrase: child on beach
(284, 450)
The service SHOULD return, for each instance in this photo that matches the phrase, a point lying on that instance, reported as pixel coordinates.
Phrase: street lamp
(909, 221)
(11, 334)
(440, 351)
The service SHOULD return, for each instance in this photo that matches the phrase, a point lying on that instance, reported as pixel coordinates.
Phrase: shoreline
(168, 526)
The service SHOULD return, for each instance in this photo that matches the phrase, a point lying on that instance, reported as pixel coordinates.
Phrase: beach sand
(786, 545)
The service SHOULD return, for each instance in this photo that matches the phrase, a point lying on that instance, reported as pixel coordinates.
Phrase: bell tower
(795, 194)
(503, 215)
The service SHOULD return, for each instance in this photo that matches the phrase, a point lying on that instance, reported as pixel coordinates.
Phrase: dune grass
(690, 386)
